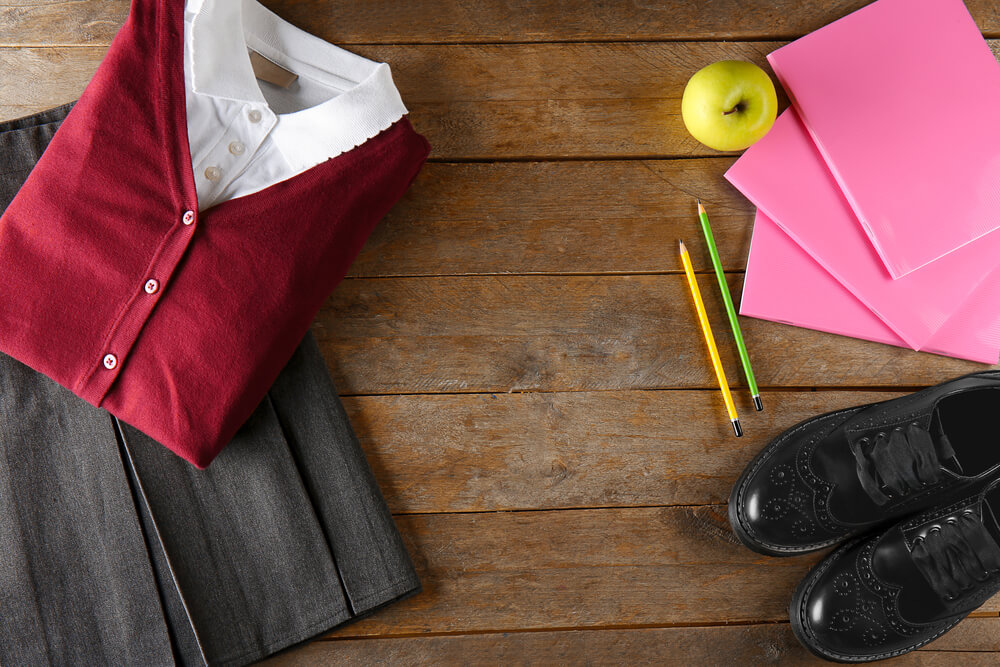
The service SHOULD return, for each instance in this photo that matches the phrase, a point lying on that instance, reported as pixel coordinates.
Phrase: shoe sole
(735, 497)
(797, 614)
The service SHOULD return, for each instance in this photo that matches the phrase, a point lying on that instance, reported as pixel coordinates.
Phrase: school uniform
(124, 242)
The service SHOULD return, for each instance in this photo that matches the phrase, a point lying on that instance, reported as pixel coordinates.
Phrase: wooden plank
(559, 217)
(770, 644)
(61, 22)
(579, 333)
(482, 452)
(486, 102)
(41, 22)
(37, 79)
(531, 101)
(585, 568)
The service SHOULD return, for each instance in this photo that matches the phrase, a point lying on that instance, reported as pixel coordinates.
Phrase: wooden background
(516, 346)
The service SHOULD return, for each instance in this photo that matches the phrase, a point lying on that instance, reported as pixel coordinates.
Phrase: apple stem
(738, 107)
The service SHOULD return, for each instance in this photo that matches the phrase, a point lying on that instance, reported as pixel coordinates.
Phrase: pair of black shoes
(912, 486)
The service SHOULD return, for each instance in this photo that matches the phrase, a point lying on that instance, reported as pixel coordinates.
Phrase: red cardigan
(175, 321)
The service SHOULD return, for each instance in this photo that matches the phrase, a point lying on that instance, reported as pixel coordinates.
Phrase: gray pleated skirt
(115, 551)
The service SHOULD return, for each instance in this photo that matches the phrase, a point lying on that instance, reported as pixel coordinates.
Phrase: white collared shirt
(246, 135)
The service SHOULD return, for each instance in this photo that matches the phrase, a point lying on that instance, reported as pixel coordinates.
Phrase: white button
(110, 361)
(188, 217)
(254, 116)
(152, 285)
(237, 148)
(213, 174)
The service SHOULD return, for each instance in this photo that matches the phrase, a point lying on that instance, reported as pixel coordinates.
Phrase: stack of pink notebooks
(878, 191)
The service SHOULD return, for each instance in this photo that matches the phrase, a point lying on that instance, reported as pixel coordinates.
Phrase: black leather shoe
(845, 472)
(885, 595)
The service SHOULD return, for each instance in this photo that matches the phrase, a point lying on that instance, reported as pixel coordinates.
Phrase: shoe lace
(956, 556)
(900, 461)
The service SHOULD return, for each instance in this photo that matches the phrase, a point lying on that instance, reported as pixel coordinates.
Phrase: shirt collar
(366, 104)
(220, 66)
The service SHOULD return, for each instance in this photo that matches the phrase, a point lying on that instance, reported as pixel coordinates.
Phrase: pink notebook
(901, 98)
(784, 175)
(801, 293)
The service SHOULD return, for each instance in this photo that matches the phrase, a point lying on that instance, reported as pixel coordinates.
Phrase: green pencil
(728, 299)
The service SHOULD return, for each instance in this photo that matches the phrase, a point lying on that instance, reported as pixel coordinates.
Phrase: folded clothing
(118, 288)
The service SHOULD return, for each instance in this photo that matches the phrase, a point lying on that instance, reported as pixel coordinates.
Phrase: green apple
(729, 105)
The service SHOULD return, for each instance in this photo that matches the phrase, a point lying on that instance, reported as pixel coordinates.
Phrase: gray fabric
(22, 142)
(115, 551)
(75, 582)
(290, 518)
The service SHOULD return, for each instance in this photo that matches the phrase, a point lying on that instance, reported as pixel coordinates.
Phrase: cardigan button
(188, 217)
(110, 361)
(151, 286)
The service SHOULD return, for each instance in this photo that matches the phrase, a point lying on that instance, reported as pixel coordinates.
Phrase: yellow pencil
(713, 351)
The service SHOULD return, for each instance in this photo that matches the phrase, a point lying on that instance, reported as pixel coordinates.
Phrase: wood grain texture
(580, 333)
(771, 644)
(484, 452)
(60, 22)
(37, 79)
(41, 22)
(559, 217)
(485, 102)
(585, 568)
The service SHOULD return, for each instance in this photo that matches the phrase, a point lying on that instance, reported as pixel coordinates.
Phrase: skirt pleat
(76, 586)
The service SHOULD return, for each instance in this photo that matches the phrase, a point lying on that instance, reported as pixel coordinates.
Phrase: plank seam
(689, 39)
(542, 274)
(765, 388)
(581, 508)
(599, 628)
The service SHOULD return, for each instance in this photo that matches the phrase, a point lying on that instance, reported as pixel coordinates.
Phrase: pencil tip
(683, 247)
(737, 428)
(701, 209)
